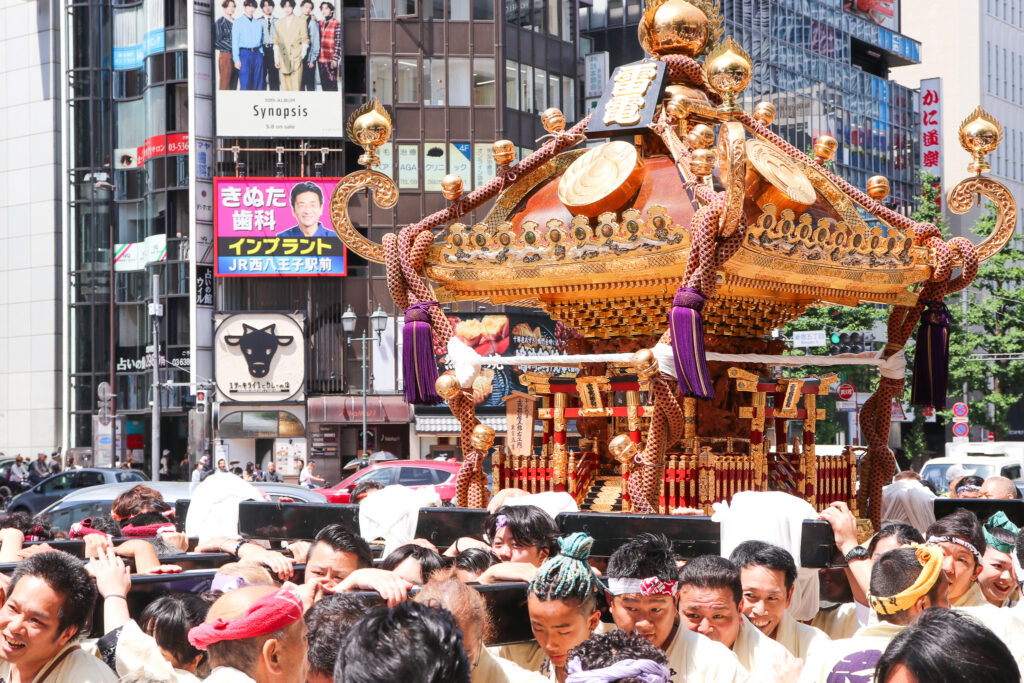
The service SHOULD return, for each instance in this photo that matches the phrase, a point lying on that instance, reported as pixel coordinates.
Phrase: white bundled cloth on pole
(908, 501)
(213, 509)
(777, 518)
(392, 512)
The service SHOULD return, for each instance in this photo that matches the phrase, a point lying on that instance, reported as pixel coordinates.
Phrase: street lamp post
(378, 322)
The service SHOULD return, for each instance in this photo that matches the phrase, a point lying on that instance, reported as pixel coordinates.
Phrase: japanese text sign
(276, 227)
(931, 125)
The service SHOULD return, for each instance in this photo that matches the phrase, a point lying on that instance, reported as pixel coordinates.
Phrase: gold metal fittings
(765, 112)
(553, 120)
(504, 152)
(961, 199)
(482, 437)
(385, 195)
(451, 186)
(447, 386)
(787, 187)
(980, 134)
(622, 448)
(878, 187)
(603, 179)
(825, 148)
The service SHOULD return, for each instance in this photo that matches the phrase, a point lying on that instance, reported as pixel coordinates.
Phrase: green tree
(988, 318)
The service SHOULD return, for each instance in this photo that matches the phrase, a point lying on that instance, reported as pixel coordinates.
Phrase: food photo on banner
(275, 227)
(514, 334)
(279, 68)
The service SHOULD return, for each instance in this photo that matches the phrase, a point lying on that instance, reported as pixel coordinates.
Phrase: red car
(412, 473)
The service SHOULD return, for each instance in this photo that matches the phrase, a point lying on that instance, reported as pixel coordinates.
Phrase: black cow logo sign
(258, 347)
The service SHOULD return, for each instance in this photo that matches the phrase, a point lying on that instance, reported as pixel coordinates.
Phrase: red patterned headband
(268, 614)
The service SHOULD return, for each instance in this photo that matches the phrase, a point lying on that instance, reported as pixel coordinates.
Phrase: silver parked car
(96, 500)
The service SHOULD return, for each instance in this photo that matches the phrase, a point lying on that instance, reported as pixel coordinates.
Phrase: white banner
(270, 114)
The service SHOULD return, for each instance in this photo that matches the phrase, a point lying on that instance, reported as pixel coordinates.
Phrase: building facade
(31, 251)
(978, 59)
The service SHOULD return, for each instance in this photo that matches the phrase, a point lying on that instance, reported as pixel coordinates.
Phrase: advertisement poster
(885, 13)
(931, 126)
(288, 453)
(508, 335)
(259, 357)
(275, 227)
(278, 71)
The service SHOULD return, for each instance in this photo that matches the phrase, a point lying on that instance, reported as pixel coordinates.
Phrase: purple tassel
(931, 357)
(688, 344)
(418, 360)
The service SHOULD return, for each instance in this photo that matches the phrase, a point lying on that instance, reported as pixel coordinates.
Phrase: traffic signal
(200, 401)
(846, 342)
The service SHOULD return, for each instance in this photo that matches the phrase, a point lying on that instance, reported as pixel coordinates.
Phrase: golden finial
(504, 152)
(825, 148)
(728, 70)
(447, 386)
(553, 120)
(670, 27)
(451, 187)
(369, 126)
(980, 134)
(765, 112)
(878, 187)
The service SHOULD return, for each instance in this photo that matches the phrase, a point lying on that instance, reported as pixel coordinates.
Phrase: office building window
(511, 85)
(408, 80)
(554, 86)
(483, 81)
(380, 79)
(459, 85)
(525, 88)
(540, 89)
(483, 10)
(567, 20)
(569, 98)
(433, 9)
(552, 17)
(433, 81)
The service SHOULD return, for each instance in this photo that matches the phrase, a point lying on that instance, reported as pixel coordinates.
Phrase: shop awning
(449, 424)
(349, 409)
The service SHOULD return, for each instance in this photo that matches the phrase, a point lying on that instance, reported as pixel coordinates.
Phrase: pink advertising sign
(275, 227)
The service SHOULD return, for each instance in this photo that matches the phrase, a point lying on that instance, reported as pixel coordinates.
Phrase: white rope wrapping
(467, 362)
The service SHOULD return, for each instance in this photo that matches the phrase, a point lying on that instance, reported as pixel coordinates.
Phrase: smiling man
(998, 580)
(963, 544)
(643, 597)
(710, 595)
(50, 599)
(767, 574)
(307, 201)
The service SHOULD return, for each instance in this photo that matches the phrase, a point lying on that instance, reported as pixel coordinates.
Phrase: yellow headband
(930, 557)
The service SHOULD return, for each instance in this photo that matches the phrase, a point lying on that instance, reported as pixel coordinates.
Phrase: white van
(1008, 463)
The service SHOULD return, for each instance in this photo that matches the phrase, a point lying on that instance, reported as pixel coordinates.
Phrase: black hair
(971, 480)
(169, 618)
(106, 524)
(66, 575)
(328, 621)
(962, 524)
(362, 488)
(307, 2)
(528, 524)
(711, 572)
(329, 5)
(24, 522)
(430, 561)
(223, 4)
(264, 3)
(475, 560)
(893, 572)
(761, 554)
(408, 642)
(341, 539)
(949, 646)
(248, 3)
(305, 185)
(568, 576)
(904, 533)
(290, 3)
(1002, 535)
(604, 649)
(642, 557)
(148, 518)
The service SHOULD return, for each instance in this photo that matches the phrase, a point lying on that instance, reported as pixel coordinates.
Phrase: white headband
(957, 541)
(649, 586)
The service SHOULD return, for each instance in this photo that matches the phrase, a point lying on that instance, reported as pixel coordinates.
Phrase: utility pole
(155, 311)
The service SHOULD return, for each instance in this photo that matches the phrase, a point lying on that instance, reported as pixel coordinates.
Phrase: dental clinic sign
(260, 357)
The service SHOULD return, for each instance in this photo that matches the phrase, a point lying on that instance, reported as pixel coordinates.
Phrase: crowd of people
(932, 604)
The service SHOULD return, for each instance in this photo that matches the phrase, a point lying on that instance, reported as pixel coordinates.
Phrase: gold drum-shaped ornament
(602, 179)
